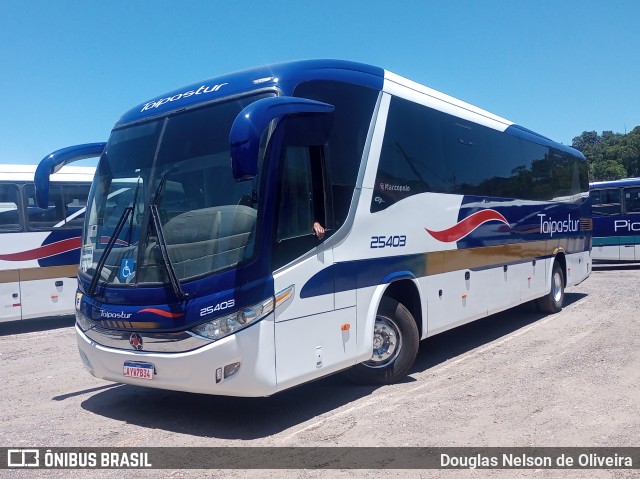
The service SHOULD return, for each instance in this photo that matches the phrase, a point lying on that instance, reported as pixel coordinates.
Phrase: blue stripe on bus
(525, 220)
(134, 303)
(352, 275)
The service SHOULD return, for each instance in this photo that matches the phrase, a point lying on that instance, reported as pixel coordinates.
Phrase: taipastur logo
(565, 226)
(200, 91)
(112, 315)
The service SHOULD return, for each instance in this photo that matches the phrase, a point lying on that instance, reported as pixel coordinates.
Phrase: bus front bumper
(201, 370)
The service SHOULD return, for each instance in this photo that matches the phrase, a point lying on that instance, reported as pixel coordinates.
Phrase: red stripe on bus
(44, 251)
(160, 312)
(467, 225)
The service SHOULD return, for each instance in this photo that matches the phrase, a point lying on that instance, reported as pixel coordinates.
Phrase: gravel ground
(518, 378)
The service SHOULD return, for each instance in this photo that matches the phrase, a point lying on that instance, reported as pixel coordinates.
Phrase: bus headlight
(83, 322)
(232, 323)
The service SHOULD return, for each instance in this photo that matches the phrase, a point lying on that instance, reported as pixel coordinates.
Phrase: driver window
(301, 203)
(295, 211)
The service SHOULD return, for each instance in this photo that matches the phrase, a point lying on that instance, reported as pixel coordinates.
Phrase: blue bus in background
(615, 206)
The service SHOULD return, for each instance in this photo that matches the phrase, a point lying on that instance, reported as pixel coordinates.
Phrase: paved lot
(514, 379)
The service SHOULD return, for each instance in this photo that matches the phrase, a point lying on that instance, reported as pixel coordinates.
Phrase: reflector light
(231, 369)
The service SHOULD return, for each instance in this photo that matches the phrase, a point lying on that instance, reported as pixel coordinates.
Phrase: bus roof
(285, 77)
(614, 183)
(11, 172)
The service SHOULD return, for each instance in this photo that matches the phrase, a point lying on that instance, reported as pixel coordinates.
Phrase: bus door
(10, 303)
(310, 335)
(606, 207)
(631, 250)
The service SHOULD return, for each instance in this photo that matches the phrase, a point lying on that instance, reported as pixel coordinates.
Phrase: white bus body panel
(10, 303)
(43, 297)
(410, 90)
(313, 346)
(628, 252)
(616, 252)
(37, 297)
(533, 279)
(610, 253)
(312, 337)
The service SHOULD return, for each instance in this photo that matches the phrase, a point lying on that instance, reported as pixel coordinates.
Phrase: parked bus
(40, 248)
(616, 219)
(269, 227)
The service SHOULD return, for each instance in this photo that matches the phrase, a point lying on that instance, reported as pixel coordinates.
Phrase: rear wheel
(394, 348)
(552, 302)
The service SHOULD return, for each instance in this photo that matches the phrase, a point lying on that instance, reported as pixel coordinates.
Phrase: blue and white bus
(269, 227)
(40, 248)
(616, 219)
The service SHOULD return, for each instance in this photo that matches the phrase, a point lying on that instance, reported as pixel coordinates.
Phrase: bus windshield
(179, 166)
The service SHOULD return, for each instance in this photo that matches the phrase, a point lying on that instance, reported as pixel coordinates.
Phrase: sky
(70, 69)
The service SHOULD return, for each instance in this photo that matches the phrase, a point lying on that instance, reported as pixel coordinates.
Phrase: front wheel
(552, 302)
(394, 348)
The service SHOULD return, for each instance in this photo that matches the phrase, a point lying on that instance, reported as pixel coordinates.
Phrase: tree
(607, 170)
(586, 140)
(611, 156)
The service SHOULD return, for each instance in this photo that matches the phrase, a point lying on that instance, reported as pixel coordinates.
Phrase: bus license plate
(134, 369)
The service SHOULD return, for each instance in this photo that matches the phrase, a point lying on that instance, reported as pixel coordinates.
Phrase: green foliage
(607, 170)
(611, 156)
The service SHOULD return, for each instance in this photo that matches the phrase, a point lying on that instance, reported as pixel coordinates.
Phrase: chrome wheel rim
(556, 287)
(386, 343)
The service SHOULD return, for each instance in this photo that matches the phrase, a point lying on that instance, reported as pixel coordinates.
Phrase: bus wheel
(395, 345)
(552, 302)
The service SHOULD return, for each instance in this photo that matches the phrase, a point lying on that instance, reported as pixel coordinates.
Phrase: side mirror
(56, 160)
(251, 122)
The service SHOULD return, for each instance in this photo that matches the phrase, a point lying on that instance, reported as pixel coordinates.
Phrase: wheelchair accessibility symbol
(127, 268)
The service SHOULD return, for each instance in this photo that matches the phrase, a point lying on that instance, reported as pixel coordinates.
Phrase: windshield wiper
(112, 241)
(103, 257)
(175, 283)
(173, 278)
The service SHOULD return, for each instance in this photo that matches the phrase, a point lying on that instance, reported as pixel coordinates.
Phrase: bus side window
(75, 202)
(632, 200)
(412, 159)
(466, 155)
(605, 202)
(47, 218)
(9, 219)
